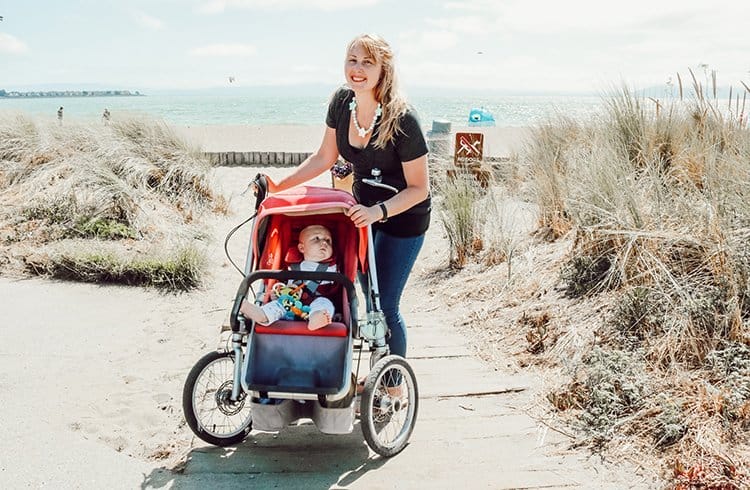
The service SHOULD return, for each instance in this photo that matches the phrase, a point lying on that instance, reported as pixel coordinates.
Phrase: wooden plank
(298, 453)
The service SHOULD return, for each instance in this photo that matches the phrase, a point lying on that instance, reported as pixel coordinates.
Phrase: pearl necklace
(361, 131)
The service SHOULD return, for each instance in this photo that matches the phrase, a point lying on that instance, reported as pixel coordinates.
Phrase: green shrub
(670, 425)
(104, 228)
(615, 385)
(585, 274)
(462, 214)
(182, 270)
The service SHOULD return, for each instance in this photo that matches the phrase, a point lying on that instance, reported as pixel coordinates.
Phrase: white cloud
(571, 16)
(218, 6)
(12, 45)
(515, 73)
(534, 44)
(306, 69)
(463, 24)
(233, 50)
(415, 43)
(148, 21)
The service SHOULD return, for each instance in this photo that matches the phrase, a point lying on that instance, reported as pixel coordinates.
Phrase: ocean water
(191, 110)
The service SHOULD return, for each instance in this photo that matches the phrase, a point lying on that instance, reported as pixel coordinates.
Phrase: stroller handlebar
(259, 185)
(376, 183)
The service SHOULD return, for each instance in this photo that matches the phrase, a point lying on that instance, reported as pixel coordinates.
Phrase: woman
(370, 125)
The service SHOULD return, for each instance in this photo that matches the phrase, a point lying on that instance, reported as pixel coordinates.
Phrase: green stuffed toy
(290, 298)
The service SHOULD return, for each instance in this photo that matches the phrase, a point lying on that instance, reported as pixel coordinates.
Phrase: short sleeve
(410, 143)
(334, 107)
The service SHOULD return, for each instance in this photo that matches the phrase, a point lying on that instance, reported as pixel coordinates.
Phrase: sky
(512, 46)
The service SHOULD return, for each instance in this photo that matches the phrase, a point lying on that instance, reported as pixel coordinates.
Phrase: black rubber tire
(374, 358)
(386, 367)
(189, 408)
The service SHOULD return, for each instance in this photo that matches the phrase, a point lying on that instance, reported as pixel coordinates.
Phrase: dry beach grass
(120, 203)
(634, 288)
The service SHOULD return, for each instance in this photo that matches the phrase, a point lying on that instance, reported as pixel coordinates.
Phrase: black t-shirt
(408, 144)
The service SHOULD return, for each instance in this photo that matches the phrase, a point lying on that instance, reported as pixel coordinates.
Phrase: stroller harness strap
(311, 286)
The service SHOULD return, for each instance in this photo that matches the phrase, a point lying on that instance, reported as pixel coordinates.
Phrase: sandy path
(91, 378)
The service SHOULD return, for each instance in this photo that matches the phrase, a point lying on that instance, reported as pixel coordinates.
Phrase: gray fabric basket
(333, 420)
(273, 418)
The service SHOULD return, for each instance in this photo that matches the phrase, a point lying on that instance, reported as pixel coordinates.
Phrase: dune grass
(472, 210)
(461, 213)
(657, 197)
(132, 182)
(643, 310)
(177, 269)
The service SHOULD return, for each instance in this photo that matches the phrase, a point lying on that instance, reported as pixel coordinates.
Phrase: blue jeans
(395, 257)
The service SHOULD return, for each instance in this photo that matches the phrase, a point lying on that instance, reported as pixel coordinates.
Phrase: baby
(316, 246)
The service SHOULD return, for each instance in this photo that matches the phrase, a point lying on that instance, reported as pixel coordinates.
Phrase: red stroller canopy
(281, 216)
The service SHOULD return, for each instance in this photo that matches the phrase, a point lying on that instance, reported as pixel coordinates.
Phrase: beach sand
(91, 375)
(499, 141)
(91, 378)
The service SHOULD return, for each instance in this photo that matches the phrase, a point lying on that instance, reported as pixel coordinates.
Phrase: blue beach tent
(481, 117)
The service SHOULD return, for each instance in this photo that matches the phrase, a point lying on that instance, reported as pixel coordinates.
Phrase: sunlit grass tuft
(131, 180)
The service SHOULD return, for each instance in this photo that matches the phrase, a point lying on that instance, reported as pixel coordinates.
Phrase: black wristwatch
(385, 212)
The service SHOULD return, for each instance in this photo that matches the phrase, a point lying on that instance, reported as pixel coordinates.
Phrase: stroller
(274, 375)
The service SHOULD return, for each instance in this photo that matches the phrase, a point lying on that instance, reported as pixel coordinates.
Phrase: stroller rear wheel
(206, 401)
(389, 406)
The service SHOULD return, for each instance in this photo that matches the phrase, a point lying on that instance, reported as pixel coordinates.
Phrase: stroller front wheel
(206, 401)
(375, 356)
(389, 405)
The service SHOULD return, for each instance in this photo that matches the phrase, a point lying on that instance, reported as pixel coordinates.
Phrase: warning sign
(469, 149)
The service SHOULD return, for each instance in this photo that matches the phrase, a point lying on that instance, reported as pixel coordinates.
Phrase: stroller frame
(284, 372)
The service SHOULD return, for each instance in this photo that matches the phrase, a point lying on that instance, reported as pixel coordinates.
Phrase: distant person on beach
(316, 246)
(371, 126)
(59, 115)
(106, 116)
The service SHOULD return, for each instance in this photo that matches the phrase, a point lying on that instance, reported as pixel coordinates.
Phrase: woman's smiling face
(361, 69)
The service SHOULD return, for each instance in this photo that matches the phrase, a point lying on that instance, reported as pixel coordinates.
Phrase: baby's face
(316, 244)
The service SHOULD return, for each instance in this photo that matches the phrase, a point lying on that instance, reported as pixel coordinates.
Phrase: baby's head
(315, 243)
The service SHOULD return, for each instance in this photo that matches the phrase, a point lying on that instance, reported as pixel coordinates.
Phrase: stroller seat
(285, 356)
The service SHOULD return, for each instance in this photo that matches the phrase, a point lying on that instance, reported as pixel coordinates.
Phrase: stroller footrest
(298, 363)
(286, 327)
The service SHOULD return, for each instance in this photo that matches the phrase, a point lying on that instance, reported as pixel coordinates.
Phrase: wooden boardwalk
(470, 433)
(256, 158)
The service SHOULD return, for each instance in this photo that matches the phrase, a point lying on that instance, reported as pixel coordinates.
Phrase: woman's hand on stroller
(263, 184)
(272, 187)
(362, 216)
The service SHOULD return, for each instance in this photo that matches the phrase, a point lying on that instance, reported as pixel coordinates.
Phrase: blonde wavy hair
(386, 92)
